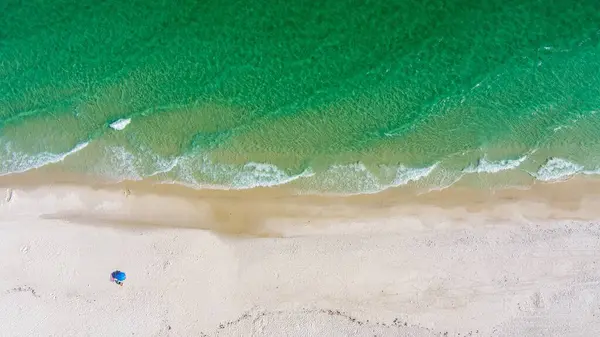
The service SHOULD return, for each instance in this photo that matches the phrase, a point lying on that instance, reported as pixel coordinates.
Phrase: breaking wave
(487, 166)
(198, 171)
(18, 162)
(557, 169)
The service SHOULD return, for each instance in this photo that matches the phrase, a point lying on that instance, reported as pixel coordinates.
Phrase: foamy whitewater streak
(18, 162)
(591, 172)
(124, 165)
(121, 124)
(227, 176)
(264, 175)
(164, 165)
(486, 166)
(350, 178)
(557, 169)
(405, 175)
(356, 178)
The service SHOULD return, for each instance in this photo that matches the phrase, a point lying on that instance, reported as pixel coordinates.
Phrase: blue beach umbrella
(119, 275)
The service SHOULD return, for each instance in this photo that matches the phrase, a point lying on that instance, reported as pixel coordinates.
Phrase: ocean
(337, 96)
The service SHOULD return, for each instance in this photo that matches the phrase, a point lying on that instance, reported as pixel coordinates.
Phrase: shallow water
(340, 96)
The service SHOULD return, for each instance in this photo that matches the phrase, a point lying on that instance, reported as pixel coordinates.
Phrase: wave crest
(120, 124)
(405, 175)
(264, 175)
(19, 162)
(487, 166)
(557, 169)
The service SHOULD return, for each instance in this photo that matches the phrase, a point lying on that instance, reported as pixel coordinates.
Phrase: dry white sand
(395, 275)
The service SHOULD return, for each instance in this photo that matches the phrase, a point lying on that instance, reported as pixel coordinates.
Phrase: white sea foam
(405, 175)
(163, 165)
(558, 128)
(350, 178)
(122, 164)
(143, 163)
(264, 175)
(557, 169)
(486, 166)
(120, 124)
(18, 162)
(445, 180)
(229, 177)
(182, 170)
(356, 178)
(591, 172)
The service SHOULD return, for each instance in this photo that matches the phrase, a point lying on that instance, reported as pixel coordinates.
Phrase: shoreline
(251, 211)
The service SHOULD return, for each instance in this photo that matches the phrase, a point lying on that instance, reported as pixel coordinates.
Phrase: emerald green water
(345, 96)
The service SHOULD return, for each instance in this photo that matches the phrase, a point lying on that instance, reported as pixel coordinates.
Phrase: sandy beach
(269, 262)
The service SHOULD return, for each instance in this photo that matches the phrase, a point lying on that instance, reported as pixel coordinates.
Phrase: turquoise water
(343, 96)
